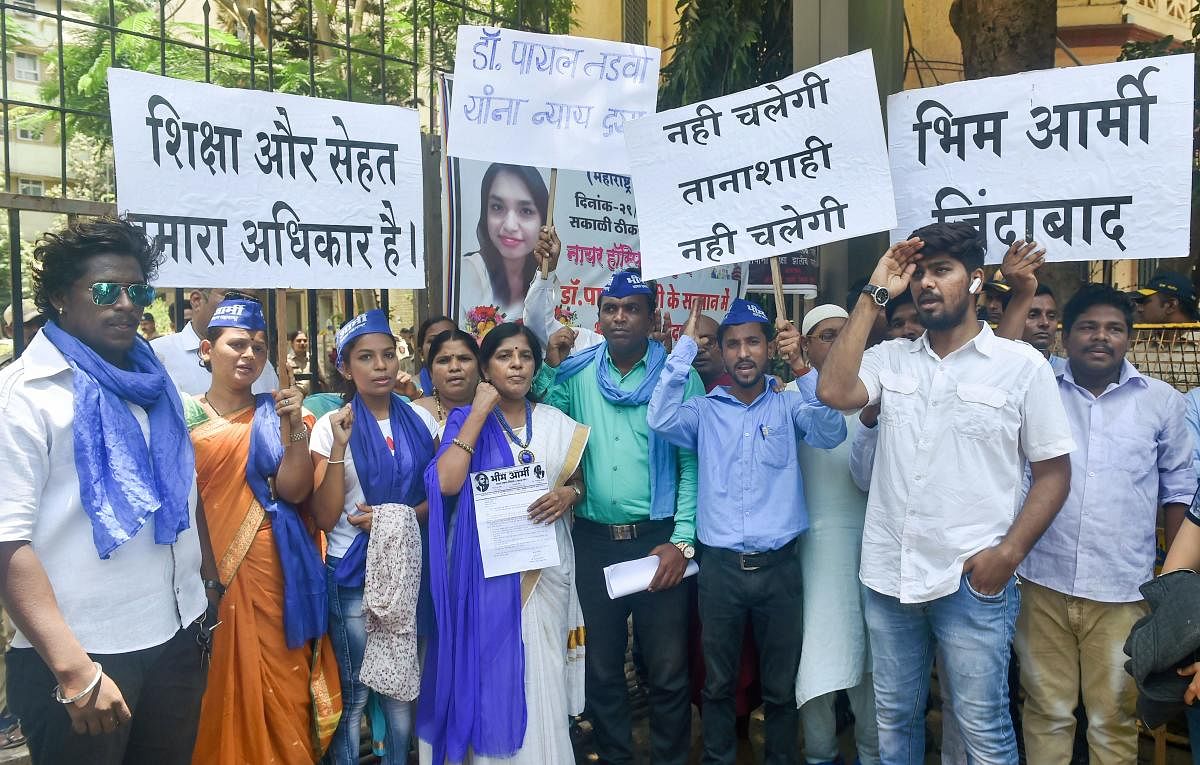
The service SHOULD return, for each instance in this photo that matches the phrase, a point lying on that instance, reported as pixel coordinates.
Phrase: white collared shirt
(954, 434)
(145, 592)
(180, 354)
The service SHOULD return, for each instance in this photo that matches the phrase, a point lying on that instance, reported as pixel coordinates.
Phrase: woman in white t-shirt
(372, 451)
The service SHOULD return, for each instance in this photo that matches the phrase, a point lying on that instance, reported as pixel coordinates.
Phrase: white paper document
(508, 541)
(632, 576)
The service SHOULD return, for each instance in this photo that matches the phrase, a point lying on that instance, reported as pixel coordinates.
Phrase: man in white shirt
(960, 411)
(180, 352)
(100, 554)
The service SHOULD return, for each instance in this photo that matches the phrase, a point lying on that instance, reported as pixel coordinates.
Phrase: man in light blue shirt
(1080, 583)
(749, 512)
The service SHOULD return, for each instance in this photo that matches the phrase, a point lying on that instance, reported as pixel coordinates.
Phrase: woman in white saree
(505, 672)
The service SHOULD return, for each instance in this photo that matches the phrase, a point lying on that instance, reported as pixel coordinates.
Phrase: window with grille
(31, 186)
(26, 67)
(29, 134)
(633, 14)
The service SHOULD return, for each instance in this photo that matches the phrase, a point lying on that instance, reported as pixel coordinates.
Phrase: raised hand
(692, 327)
(660, 329)
(289, 405)
(559, 346)
(342, 421)
(1020, 265)
(896, 267)
(787, 339)
(486, 398)
(548, 248)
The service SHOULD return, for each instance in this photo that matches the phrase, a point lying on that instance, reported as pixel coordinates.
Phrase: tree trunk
(1004, 36)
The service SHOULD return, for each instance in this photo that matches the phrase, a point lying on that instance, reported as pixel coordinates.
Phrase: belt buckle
(623, 532)
(742, 562)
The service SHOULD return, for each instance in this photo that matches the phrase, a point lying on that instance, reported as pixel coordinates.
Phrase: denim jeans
(972, 634)
(348, 632)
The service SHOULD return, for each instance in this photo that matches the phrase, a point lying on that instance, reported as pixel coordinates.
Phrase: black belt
(752, 561)
(624, 532)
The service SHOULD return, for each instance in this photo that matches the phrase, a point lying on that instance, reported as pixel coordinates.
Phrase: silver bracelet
(335, 462)
(90, 687)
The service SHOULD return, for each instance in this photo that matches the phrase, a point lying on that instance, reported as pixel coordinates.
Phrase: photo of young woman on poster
(513, 202)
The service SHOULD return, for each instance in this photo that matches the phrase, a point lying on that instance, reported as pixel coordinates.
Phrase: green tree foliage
(306, 55)
(723, 46)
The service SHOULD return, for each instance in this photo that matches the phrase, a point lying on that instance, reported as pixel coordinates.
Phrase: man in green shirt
(641, 500)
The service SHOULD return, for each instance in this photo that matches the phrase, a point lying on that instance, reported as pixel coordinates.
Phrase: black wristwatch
(880, 295)
(213, 584)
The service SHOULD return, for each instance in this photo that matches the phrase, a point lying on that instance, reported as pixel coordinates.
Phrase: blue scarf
(122, 481)
(426, 383)
(384, 475)
(473, 683)
(305, 616)
(663, 456)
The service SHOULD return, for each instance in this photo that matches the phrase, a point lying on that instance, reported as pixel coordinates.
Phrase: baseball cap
(1174, 284)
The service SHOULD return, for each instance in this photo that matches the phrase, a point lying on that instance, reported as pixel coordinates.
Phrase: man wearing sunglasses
(100, 555)
(180, 352)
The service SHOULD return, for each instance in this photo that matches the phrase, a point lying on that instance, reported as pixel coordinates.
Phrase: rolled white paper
(632, 576)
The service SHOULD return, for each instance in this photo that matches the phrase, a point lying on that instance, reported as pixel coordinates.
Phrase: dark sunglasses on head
(108, 293)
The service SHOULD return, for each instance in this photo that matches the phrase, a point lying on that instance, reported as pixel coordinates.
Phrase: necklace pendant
(526, 457)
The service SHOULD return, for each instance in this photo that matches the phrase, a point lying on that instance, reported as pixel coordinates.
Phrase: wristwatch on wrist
(880, 295)
(686, 550)
(215, 586)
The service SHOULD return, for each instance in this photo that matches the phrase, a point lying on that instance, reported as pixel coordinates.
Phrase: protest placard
(597, 222)
(253, 189)
(767, 171)
(548, 100)
(799, 274)
(1092, 162)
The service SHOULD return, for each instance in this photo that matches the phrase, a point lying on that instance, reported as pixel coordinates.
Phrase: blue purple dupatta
(305, 599)
(385, 475)
(473, 684)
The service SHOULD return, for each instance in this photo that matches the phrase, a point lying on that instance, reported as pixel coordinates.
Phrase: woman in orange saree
(273, 693)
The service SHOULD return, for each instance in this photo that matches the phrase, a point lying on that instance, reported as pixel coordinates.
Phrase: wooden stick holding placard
(550, 217)
(281, 343)
(777, 283)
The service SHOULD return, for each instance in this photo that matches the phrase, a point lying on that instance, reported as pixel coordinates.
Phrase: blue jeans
(348, 632)
(972, 633)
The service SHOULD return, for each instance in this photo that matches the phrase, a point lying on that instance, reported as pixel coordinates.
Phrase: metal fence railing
(54, 105)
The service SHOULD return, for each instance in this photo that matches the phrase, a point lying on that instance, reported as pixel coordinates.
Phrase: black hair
(424, 328)
(959, 240)
(500, 333)
(1043, 289)
(449, 335)
(291, 336)
(889, 310)
(491, 256)
(1091, 295)
(60, 258)
(147, 316)
(768, 330)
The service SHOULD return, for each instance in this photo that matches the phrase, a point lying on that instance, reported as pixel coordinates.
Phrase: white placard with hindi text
(1092, 162)
(768, 171)
(548, 100)
(508, 541)
(243, 188)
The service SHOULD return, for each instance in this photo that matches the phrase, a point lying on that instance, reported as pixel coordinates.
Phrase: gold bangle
(463, 445)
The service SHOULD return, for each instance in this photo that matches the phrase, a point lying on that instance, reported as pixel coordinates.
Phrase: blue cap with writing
(242, 314)
(372, 322)
(624, 284)
(745, 312)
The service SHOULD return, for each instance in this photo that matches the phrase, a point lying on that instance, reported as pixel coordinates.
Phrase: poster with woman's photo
(501, 208)
(495, 212)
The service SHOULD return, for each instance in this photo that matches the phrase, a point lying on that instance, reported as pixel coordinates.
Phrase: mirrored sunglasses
(108, 293)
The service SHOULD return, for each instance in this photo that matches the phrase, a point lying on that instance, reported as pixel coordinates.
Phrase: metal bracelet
(464, 446)
(90, 687)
